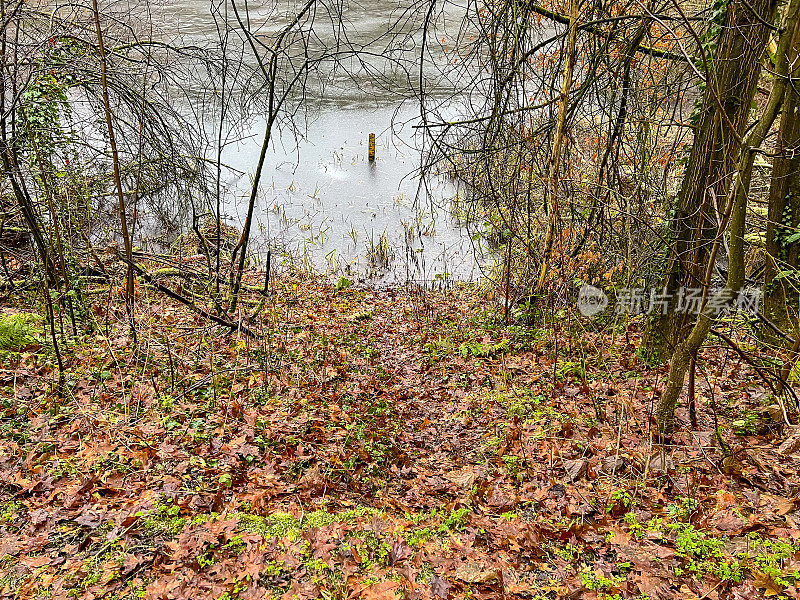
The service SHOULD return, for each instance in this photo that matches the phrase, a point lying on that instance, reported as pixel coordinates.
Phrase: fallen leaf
(764, 581)
(476, 573)
(398, 551)
(792, 443)
(439, 587)
(384, 590)
(576, 468)
(464, 478)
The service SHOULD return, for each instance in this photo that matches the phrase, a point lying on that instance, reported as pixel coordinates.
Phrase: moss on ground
(286, 525)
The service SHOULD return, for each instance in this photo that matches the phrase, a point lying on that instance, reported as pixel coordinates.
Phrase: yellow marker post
(371, 147)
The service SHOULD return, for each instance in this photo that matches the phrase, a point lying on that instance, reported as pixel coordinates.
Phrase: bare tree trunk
(732, 75)
(735, 212)
(783, 256)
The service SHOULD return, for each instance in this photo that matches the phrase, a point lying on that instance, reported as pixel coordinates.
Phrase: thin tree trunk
(129, 279)
(9, 161)
(270, 72)
(551, 201)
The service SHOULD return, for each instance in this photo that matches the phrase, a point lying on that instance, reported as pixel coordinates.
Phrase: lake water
(321, 201)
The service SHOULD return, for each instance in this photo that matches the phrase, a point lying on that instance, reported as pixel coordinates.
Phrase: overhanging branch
(593, 28)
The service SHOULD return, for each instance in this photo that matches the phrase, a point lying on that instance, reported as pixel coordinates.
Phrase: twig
(763, 376)
(183, 300)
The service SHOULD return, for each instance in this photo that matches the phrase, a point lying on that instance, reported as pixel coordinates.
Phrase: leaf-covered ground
(383, 445)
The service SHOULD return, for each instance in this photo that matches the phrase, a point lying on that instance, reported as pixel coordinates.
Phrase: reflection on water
(320, 199)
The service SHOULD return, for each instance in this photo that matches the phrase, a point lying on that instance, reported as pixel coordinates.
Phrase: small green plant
(636, 528)
(236, 544)
(10, 511)
(683, 509)
(166, 403)
(512, 464)
(206, 559)
(597, 582)
(19, 331)
(440, 524)
(286, 525)
(479, 350)
(771, 557)
(418, 536)
(569, 552)
(568, 369)
(343, 284)
(455, 521)
(750, 423)
(163, 520)
(438, 349)
(380, 254)
(705, 555)
(620, 497)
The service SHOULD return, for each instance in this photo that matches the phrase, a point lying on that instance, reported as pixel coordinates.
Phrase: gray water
(321, 201)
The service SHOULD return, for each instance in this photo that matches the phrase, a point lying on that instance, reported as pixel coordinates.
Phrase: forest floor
(383, 445)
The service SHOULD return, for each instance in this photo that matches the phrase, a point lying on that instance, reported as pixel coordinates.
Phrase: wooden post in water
(371, 147)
